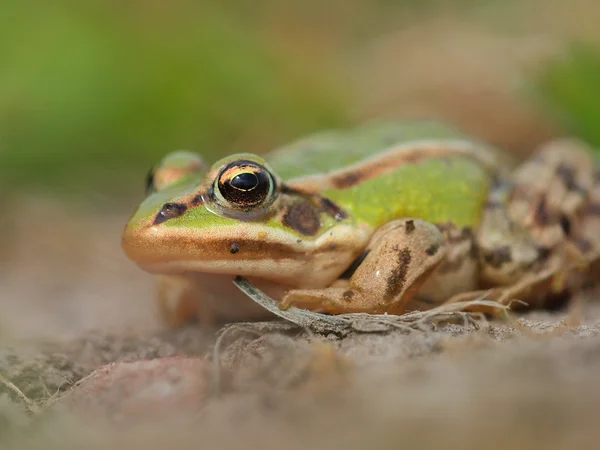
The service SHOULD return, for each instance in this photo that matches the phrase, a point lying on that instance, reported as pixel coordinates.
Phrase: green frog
(382, 218)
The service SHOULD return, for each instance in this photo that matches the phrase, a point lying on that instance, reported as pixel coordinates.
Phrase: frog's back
(333, 150)
(379, 172)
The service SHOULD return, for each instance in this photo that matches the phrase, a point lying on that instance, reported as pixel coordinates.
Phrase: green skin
(334, 196)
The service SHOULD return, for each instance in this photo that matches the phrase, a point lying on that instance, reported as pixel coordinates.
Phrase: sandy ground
(530, 385)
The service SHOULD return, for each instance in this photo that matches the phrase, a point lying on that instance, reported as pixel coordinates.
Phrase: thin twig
(359, 322)
(29, 404)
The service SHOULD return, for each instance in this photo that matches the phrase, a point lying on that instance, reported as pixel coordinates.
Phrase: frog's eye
(244, 185)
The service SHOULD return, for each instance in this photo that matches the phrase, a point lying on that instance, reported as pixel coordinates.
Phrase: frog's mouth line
(273, 254)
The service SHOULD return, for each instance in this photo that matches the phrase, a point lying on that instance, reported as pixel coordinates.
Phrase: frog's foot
(515, 294)
(399, 259)
(330, 300)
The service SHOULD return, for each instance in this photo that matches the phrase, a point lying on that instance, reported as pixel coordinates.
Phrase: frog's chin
(290, 273)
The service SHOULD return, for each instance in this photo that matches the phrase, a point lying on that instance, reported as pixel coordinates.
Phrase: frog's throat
(250, 250)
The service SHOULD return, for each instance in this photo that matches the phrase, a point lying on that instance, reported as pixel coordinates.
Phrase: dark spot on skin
(197, 200)
(466, 233)
(395, 282)
(493, 203)
(409, 227)
(567, 175)
(543, 252)
(322, 203)
(497, 257)
(432, 250)
(170, 211)
(473, 250)
(303, 218)
(542, 217)
(328, 207)
(593, 209)
(298, 241)
(348, 295)
(235, 247)
(350, 270)
(565, 224)
(584, 245)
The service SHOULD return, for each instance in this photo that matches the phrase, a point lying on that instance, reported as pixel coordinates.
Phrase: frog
(380, 218)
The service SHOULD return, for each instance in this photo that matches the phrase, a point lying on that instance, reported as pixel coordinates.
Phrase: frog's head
(238, 218)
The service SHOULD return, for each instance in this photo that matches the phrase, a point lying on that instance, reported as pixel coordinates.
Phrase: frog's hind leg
(541, 232)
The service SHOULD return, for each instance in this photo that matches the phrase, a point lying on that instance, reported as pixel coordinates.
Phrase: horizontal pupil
(245, 181)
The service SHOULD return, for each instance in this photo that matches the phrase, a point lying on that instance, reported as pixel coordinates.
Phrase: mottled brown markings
(568, 177)
(542, 216)
(432, 249)
(498, 256)
(493, 203)
(584, 245)
(323, 204)
(593, 209)
(466, 233)
(397, 279)
(453, 234)
(565, 224)
(543, 252)
(234, 248)
(473, 249)
(352, 268)
(409, 226)
(348, 295)
(170, 211)
(303, 218)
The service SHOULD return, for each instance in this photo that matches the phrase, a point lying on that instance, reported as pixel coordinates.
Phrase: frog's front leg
(180, 301)
(399, 259)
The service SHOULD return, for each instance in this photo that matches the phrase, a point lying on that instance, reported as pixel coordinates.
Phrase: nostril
(170, 211)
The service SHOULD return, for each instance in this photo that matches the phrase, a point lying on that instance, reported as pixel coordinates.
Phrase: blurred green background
(93, 93)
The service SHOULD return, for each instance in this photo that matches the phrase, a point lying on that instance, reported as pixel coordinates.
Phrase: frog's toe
(304, 299)
(331, 300)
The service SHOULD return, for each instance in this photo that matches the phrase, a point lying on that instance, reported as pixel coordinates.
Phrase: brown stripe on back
(390, 160)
